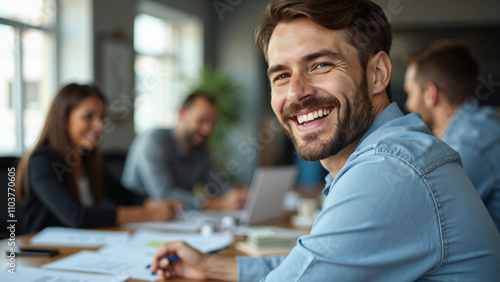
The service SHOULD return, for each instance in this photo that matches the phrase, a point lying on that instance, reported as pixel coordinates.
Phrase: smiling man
(398, 205)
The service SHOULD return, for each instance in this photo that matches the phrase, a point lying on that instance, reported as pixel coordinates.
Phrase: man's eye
(322, 65)
(280, 76)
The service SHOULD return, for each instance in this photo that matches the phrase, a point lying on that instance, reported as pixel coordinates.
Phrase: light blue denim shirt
(474, 132)
(401, 209)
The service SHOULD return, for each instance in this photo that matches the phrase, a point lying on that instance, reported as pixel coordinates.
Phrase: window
(27, 72)
(169, 53)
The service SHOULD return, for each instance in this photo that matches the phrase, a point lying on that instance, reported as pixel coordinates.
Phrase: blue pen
(170, 259)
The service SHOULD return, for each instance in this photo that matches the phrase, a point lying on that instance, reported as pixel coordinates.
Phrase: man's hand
(234, 199)
(192, 264)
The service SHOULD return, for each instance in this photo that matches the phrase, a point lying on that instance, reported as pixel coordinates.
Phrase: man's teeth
(312, 116)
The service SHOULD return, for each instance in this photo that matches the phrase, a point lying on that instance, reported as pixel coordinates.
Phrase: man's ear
(381, 67)
(431, 95)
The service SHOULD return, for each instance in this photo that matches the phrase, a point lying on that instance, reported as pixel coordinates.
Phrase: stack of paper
(268, 238)
(134, 266)
(263, 242)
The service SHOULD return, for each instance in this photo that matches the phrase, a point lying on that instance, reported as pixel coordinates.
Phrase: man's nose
(299, 88)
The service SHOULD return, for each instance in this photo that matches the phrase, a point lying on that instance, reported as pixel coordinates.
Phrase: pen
(170, 259)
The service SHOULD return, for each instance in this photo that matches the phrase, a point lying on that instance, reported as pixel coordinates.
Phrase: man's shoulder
(478, 127)
(158, 133)
(154, 136)
(410, 142)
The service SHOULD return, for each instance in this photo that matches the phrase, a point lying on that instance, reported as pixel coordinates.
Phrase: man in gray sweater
(175, 163)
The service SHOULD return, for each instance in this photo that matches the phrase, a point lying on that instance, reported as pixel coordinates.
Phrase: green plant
(218, 84)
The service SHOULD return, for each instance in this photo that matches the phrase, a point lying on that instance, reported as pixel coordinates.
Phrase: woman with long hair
(62, 182)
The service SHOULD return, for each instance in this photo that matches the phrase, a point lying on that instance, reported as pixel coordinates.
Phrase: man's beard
(353, 120)
(189, 137)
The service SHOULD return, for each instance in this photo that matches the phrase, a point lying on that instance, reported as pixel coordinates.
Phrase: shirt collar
(389, 113)
(329, 180)
(469, 106)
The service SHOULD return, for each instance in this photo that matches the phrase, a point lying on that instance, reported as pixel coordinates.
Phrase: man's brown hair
(367, 28)
(450, 65)
(191, 98)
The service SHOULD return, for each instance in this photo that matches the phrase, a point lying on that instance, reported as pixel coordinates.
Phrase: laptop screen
(268, 188)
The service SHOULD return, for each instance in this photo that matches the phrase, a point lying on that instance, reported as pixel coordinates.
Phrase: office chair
(113, 164)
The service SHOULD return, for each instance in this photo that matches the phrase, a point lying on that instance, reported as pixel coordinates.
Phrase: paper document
(129, 249)
(205, 244)
(31, 274)
(62, 236)
(96, 262)
(192, 224)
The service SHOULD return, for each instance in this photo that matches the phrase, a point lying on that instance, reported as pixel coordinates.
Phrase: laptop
(267, 191)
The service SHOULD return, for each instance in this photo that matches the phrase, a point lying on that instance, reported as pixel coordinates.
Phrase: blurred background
(147, 55)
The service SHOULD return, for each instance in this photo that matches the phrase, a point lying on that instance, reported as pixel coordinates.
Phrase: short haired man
(441, 81)
(169, 163)
(398, 205)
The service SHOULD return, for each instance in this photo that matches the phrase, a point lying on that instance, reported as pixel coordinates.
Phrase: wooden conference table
(24, 241)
